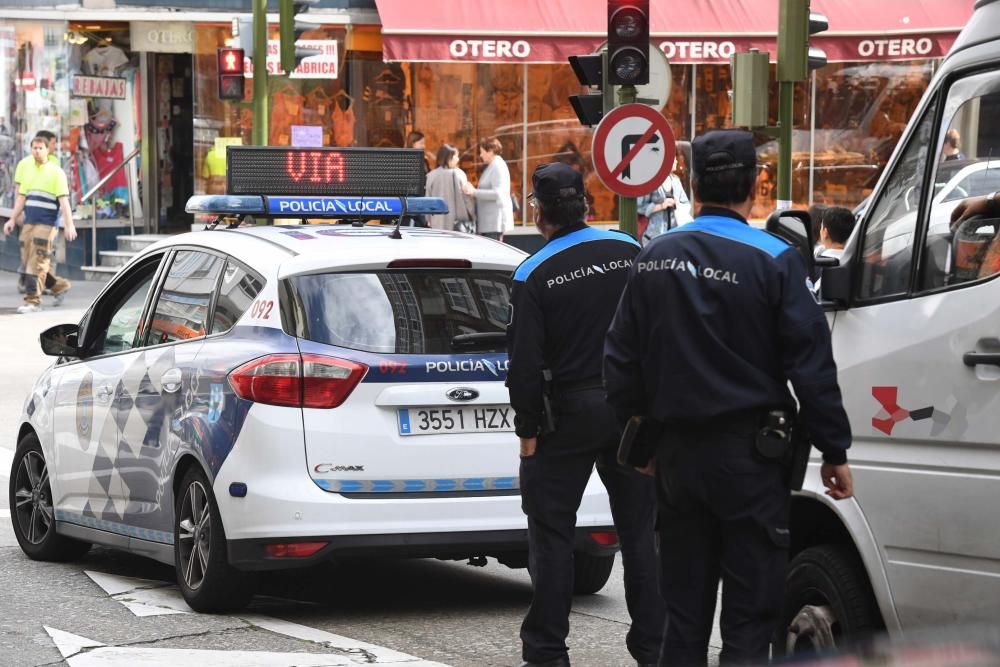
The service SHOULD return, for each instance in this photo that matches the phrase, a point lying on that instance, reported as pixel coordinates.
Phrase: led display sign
(271, 170)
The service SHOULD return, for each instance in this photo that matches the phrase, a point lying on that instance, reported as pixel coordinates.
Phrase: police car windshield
(415, 311)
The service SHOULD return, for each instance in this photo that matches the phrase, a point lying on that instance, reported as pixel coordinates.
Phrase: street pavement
(115, 609)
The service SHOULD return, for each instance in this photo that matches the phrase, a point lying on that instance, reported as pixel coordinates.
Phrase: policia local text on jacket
(562, 302)
(716, 318)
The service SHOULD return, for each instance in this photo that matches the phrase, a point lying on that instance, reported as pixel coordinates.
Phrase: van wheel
(32, 511)
(828, 601)
(206, 579)
(590, 573)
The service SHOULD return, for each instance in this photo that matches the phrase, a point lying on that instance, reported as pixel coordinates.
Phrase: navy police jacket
(562, 302)
(715, 320)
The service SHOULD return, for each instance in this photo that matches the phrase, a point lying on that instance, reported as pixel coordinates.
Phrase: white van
(915, 312)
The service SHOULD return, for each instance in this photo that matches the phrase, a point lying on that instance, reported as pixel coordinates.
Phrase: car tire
(206, 579)
(829, 598)
(31, 510)
(591, 573)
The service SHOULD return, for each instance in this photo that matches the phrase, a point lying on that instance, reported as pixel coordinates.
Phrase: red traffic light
(230, 61)
(628, 42)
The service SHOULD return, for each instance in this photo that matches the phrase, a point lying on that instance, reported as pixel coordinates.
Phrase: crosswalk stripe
(4, 514)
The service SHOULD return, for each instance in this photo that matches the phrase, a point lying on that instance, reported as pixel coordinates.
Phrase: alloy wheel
(33, 498)
(195, 534)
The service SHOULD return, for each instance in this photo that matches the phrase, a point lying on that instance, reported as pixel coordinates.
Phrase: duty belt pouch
(773, 442)
(639, 441)
(548, 409)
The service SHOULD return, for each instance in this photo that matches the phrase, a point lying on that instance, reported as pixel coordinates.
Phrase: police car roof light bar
(310, 207)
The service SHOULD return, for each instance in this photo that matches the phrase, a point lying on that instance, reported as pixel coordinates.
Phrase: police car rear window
(416, 311)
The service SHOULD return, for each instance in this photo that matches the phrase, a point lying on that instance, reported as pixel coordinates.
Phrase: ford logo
(462, 394)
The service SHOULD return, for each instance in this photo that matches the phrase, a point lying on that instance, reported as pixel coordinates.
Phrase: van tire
(218, 586)
(591, 573)
(32, 507)
(831, 577)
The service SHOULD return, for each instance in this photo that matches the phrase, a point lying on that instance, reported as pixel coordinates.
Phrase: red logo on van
(892, 413)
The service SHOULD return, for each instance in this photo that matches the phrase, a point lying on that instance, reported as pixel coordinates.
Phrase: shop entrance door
(173, 105)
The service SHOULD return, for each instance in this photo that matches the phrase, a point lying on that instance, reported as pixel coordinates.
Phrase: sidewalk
(78, 298)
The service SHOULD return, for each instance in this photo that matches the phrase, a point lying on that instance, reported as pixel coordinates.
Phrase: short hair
(39, 140)
(564, 212)
(45, 135)
(491, 144)
(413, 137)
(839, 223)
(953, 138)
(445, 154)
(727, 186)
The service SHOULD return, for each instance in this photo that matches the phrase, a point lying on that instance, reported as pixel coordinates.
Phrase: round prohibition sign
(633, 150)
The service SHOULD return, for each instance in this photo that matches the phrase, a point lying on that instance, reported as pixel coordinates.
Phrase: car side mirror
(796, 228)
(61, 340)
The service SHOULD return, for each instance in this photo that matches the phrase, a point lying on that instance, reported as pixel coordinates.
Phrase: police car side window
(967, 165)
(124, 318)
(887, 251)
(237, 291)
(183, 303)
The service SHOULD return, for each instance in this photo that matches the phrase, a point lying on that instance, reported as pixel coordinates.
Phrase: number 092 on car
(465, 419)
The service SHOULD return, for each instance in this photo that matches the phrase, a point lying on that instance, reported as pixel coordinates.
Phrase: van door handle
(104, 393)
(973, 359)
(171, 380)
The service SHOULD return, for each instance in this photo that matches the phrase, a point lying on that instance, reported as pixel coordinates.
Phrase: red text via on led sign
(315, 167)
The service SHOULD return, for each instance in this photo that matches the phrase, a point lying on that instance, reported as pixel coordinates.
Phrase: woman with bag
(665, 207)
(494, 206)
(448, 182)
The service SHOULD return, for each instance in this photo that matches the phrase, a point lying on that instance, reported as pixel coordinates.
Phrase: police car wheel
(32, 511)
(206, 579)
(828, 601)
(590, 572)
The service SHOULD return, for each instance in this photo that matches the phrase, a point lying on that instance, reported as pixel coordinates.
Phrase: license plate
(466, 419)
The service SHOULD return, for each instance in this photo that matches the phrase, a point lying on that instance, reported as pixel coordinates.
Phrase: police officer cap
(554, 181)
(723, 150)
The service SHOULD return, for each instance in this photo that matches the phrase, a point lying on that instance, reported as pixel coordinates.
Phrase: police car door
(918, 381)
(90, 405)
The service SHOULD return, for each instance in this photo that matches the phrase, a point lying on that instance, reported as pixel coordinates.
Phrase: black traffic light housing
(797, 23)
(231, 82)
(589, 108)
(290, 30)
(628, 42)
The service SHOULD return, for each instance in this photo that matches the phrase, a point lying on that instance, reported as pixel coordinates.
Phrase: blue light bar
(359, 207)
(226, 205)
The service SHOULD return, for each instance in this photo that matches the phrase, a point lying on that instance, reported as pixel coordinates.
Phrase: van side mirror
(796, 228)
(61, 340)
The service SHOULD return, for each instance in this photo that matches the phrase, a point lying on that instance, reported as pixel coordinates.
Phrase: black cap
(722, 150)
(553, 181)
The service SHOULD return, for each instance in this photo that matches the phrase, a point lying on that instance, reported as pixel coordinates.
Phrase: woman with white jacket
(448, 182)
(494, 207)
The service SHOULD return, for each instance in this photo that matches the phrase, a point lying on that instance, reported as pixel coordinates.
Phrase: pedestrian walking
(448, 182)
(665, 207)
(494, 207)
(52, 282)
(43, 196)
(562, 301)
(715, 320)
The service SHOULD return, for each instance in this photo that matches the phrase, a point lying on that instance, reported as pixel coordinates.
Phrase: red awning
(688, 31)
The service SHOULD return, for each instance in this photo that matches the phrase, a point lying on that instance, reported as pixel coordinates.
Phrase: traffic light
(628, 42)
(796, 24)
(230, 73)
(291, 30)
(589, 108)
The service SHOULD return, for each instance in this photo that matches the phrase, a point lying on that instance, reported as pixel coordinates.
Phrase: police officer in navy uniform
(717, 317)
(562, 302)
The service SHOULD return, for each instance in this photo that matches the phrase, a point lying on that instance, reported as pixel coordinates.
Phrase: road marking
(84, 652)
(6, 461)
(146, 597)
(4, 513)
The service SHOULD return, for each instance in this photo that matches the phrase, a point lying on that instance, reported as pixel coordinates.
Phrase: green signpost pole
(261, 89)
(786, 98)
(628, 213)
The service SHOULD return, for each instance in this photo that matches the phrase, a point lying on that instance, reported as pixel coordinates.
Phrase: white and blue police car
(257, 397)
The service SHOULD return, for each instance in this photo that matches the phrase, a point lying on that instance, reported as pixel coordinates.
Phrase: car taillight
(300, 381)
(327, 382)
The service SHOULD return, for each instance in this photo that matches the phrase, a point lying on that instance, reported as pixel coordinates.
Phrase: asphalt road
(418, 612)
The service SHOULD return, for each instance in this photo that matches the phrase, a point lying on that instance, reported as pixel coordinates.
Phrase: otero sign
(99, 86)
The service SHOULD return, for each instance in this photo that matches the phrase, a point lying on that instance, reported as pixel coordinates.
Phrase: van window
(417, 311)
(968, 165)
(887, 251)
